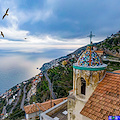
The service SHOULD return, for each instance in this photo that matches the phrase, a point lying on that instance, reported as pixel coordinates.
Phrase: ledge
(71, 96)
(91, 68)
(81, 99)
(90, 45)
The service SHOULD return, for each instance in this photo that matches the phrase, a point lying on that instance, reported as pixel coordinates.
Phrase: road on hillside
(4, 112)
(28, 95)
(18, 96)
(31, 92)
(50, 85)
(106, 59)
(4, 109)
(23, 99)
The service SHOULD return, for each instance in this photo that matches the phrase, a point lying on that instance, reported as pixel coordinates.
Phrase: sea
(16, 67)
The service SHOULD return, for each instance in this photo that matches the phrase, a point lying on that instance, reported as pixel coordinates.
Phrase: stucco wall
(32, 116)
(85, 118)
(76, 101)
(91, 77)
(74, 108)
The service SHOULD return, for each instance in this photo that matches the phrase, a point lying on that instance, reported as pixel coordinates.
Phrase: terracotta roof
(43, 106)
(98, 51)
(116, 71)
(34, 80)
(71, 91)
(105, 100)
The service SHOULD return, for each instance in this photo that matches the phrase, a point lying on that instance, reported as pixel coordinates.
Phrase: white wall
(32, 116)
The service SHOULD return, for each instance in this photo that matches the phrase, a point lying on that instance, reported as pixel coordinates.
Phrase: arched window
(83, 86)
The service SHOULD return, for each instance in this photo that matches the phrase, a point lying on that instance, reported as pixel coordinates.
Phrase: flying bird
(5, 13)
(2, 34)
(25, 38)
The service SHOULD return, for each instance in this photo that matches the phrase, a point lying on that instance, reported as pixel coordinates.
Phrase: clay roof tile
(105, 99)
(43, 106)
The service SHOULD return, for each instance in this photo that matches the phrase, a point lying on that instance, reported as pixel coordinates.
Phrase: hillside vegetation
(61, 78)
(111, 45)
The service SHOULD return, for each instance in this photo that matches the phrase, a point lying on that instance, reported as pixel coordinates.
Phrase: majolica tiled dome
(85, 58)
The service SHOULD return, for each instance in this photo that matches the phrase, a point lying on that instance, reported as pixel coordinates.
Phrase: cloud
(13, 33)
(80, 17)
(19, 15)
(50, 22)
(34, 44)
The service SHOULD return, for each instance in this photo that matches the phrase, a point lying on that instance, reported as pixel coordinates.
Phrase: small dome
(84, 59)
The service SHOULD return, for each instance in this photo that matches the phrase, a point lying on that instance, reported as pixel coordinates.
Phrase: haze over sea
(16, 67)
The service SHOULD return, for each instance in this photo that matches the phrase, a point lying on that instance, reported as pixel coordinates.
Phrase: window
(83, 86)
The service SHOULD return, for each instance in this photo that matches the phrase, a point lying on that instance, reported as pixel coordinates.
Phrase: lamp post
(38, 108)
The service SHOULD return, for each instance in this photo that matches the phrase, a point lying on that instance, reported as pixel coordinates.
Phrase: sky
(56, 23)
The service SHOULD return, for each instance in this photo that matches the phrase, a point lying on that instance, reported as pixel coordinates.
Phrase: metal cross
(91, 35)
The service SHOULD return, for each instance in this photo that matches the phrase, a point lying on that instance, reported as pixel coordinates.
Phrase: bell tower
(87, 73)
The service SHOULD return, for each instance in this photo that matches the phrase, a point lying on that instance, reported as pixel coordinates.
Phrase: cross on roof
(91, 35)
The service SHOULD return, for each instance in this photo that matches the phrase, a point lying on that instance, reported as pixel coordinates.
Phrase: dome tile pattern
(84, 59)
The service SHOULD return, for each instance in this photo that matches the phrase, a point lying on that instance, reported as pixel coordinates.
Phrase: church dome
(84, 59)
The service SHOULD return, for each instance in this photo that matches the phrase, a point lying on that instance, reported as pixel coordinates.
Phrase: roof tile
(117, 112)
(105, 100)
(43, 106)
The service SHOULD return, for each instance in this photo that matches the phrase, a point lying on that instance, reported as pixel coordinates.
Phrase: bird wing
(3, 16)
(7, 10)
(2, 34)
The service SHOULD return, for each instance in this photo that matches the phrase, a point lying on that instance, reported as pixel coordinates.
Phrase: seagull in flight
(2, 34)
(5, 13)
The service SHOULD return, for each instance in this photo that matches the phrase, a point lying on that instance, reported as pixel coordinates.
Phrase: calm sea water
(16, 67)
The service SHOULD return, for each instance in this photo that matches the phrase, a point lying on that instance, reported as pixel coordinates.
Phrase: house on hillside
(100, 52)
(37, 76)
(32, 112)
(41, 75)
(35, 81)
